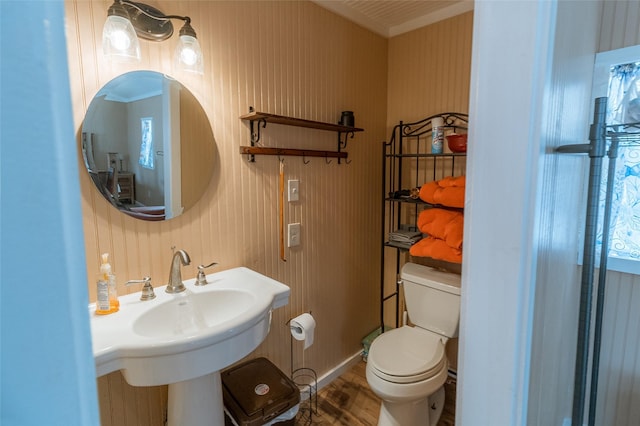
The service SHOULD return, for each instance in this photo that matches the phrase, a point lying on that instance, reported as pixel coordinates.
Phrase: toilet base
(424, 412)
(436, 405)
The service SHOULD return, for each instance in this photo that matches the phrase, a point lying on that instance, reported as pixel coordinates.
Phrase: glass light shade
(188, 55)
(119, 39)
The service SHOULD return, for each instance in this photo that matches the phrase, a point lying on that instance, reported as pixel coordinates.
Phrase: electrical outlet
(294, 190)
(294, 234)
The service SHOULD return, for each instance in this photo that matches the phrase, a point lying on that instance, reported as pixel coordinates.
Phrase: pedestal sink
(183, 340)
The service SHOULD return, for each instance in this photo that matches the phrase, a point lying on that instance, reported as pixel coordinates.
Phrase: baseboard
(338, 370)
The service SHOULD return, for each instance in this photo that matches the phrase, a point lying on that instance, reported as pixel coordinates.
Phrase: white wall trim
(512, 47)
(422, 21)
(339, 369)
(344, 10)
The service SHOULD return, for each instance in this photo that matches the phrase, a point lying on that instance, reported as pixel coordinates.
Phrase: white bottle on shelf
(437, 135)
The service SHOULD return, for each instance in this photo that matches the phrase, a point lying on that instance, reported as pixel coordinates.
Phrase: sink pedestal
(196, 402)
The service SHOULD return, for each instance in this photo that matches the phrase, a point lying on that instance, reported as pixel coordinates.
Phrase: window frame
(146, 159)
(602, 66)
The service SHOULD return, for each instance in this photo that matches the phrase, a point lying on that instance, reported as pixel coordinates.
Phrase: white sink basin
(191, 314)
(178, 337)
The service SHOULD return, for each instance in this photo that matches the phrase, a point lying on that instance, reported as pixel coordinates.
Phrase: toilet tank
(432, 298)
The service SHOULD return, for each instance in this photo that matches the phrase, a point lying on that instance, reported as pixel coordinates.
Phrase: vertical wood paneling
(619, 383)
(429, 70)
(290, 58)
(429, 73)
(619, 376)
(561, 200)
(619, 25)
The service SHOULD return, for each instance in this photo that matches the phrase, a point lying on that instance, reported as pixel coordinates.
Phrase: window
(620, 72)
(146, 145)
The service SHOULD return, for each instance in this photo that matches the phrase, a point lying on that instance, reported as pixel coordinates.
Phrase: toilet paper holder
(307, 381)
(289, 320)
(303, 327)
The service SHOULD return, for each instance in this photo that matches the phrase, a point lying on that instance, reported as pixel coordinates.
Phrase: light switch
(294, 190)
(294, 234)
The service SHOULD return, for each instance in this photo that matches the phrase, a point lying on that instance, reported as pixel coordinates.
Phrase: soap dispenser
(109, 276)
(102, 302)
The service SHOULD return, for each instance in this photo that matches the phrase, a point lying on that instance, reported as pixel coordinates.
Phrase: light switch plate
(293, 235)
(294, 190)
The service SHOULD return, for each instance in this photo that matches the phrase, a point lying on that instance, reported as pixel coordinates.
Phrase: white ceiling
(132, 87)
(390, 18)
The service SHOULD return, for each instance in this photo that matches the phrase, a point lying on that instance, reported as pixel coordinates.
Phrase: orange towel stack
(447, 192)
(443, 227)
(444, 241)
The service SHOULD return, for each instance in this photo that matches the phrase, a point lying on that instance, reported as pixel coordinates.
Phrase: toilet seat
(407, 355)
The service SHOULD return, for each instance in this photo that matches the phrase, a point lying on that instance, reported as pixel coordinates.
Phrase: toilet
(407, 367)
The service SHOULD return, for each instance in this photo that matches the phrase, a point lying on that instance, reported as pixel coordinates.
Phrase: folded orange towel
(436, 249)
(453, 181)
(446, 225)
(448, 191)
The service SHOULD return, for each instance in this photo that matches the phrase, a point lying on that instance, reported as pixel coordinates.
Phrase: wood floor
(349, 401)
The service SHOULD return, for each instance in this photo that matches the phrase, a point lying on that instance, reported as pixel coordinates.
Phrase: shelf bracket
(255, 130)
(256, 134)
(342, 144)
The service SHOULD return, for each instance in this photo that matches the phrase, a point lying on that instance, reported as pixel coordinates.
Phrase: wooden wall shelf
(259, 120)
(297, 122)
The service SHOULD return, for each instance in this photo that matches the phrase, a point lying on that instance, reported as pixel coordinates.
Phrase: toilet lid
(407, 355)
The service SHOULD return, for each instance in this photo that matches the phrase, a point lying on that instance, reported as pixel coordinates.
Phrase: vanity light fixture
(127, 21)
(119, 40)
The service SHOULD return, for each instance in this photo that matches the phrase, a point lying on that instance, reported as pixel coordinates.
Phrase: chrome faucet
(147, 290)
(175, 277)
(201, 279)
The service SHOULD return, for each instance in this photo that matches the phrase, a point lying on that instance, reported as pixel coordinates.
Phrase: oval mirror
(148, 145)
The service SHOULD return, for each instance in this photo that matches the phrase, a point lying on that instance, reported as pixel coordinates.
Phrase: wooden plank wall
(557, 294)
(429, 73)
(619, 385)
(287, 58)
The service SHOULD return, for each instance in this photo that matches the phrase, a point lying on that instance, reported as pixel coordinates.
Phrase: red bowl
(457, 143)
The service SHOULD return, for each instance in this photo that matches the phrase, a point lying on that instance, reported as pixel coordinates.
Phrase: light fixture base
(146, 27)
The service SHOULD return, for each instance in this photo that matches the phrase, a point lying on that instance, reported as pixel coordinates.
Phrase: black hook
(304, 160)
(326, 159)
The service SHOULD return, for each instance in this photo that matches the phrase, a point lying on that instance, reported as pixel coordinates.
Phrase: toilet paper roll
(302, 328)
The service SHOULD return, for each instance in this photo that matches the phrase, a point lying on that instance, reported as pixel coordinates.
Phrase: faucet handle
(147, 288)
(202, 279)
